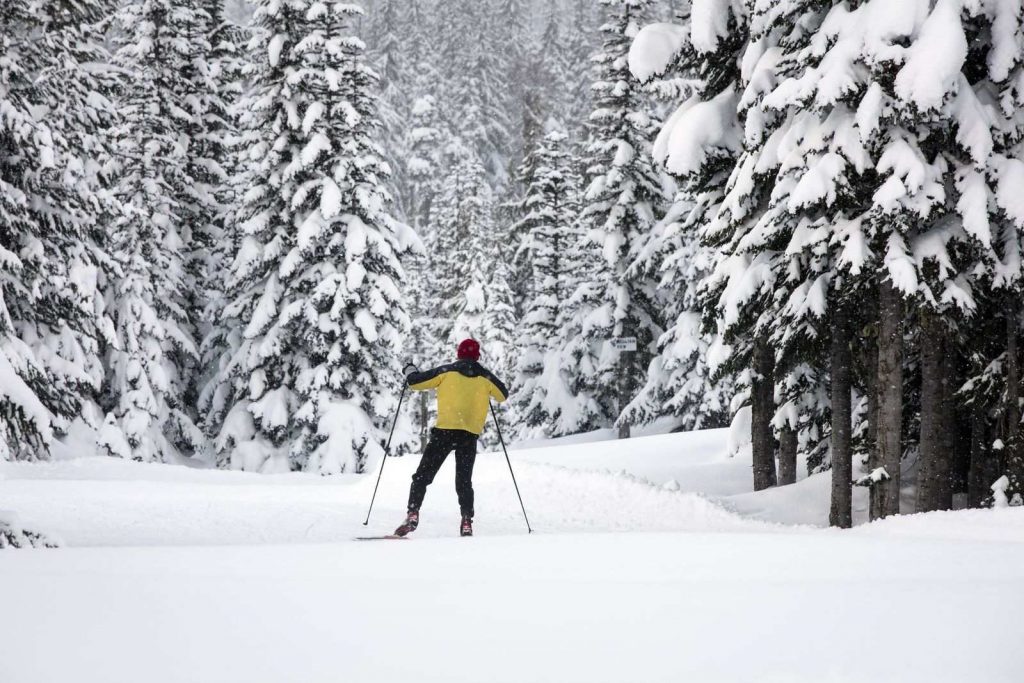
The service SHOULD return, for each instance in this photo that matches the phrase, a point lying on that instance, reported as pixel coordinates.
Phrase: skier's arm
(497, 391)
(429, 379)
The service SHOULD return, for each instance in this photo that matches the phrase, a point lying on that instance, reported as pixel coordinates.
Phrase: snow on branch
(654, 50)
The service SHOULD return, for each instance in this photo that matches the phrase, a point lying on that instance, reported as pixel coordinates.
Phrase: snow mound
(1001, 525)
(606, 501)
(107, 502)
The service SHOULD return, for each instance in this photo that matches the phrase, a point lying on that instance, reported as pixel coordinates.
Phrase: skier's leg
(465, 457)
(433, 457)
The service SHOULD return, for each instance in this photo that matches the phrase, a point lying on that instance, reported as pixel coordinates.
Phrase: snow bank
(1003, 525)
(110, 502)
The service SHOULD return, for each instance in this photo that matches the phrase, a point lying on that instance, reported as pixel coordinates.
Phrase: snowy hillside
(178, 574)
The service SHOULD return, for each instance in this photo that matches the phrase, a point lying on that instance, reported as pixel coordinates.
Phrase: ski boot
(412, 520)
(466, 529)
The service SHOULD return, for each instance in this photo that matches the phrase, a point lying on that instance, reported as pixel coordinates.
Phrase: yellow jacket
(464, 389)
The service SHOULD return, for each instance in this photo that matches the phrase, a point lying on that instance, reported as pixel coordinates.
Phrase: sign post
(626, 346)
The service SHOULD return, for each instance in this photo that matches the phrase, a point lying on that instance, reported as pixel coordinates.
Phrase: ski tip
(390, 537)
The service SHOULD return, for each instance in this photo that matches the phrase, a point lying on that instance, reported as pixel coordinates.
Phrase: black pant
(442, 442)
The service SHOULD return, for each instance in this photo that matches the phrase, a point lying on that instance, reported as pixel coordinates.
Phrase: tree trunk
(762, 400)
(933, 485)
(1013, 452)
(787, 456)
(871, 382)
(983, 469)
(625, 393)
(889, 387)
(959, 428)
(841, 514)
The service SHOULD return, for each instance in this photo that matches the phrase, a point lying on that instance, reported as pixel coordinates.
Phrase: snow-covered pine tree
(710, 53)
(476, 108)
(994, 66)
(500, 320)
(623, 197)
(576, 372)
(698, 146)
(424, 139)
(680, 383)
(515, 56)
(219, 141)
(581, 43)
(874, 152)
(25, 146)
(424, 346)
(213, 75)
(470, 306)
(928, 126)
(549, 222)
(150, 364)
(561, 69)
(498, 326)
(422, 169)
(422, 163)
(53, 152)
(315, 282)
(465, 202)
(393, 105)
(76, 86)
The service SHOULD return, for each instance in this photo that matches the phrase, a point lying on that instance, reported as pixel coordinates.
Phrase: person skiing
(464, 389)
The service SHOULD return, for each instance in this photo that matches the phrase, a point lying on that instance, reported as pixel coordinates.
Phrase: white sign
(623, 343)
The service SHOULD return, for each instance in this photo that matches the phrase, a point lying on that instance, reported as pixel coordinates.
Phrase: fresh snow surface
(184, 574)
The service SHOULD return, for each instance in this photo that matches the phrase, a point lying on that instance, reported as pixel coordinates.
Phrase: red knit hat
(469, 349)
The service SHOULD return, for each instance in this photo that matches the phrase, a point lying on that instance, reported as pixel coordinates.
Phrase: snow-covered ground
(651, 561)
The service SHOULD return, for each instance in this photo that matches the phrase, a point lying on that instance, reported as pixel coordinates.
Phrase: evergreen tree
(52, 206)
(155, 353)
(477, 110)
(861, 178)
(484, 311)
(623, 196)
(465, 203)
(500, 320)
(549, 225)
(218, 242)
(390, 62)
(515, 57)
(576, 373)
(581, 44)
(993, 64)
(469, 308)
(680, 380)
(314, 285)
(423, 161)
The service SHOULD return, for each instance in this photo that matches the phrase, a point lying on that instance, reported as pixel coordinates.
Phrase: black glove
(409, 369)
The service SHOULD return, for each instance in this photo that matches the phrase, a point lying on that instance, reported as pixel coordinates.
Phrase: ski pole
(387, 450)
(509, 461)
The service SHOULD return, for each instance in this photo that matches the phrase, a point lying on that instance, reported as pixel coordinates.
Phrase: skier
(464, 389)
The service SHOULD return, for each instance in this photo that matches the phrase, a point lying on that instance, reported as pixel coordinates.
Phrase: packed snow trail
(574, 608)
(224, 576)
